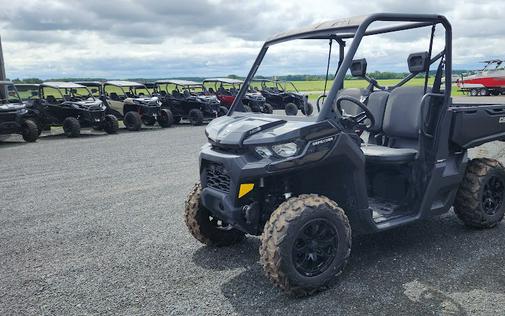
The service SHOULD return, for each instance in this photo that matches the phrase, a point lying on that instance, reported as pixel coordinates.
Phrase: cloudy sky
(162, 39)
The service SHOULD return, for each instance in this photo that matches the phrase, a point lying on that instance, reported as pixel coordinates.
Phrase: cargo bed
(474, 124)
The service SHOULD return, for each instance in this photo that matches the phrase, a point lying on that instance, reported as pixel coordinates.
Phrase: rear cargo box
(474, 125)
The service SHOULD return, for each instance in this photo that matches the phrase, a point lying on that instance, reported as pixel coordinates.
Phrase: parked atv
(134, 97)
(134, 103)
(187, 100)
(307, 186)
(226, 90)
(72, 106)
(15, 118)
(276, 93)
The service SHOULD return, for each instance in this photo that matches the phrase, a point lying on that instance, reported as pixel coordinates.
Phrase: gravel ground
(95, 226)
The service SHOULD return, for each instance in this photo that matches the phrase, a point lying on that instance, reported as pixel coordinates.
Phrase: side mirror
(419, 62)
(358, 68)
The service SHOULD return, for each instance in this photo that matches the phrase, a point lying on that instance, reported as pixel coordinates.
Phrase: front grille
(217, 177)
(97, 115)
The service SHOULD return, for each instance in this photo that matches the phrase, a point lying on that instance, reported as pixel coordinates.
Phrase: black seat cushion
(382, 154)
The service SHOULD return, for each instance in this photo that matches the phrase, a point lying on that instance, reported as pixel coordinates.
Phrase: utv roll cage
(219, 84)
(67, 90)
(280, 85)
(93, 86)
(356, 28)
(162, 85)
(4, 93)
(131, 86)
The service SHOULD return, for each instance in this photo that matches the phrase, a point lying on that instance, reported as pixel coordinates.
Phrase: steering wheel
(319, 100)
(357, 121)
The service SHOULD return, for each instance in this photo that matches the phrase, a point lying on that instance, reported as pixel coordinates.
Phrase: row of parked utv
(29, 109)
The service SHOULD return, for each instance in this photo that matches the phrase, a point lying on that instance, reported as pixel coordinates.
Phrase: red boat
(488, 81)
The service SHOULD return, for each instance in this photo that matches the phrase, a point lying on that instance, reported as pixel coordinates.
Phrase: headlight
(22, 111)
(285, 150)
(264, 152)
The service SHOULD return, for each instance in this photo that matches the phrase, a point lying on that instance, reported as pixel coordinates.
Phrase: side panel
(475, 125)
(115, 105)
(446, 177)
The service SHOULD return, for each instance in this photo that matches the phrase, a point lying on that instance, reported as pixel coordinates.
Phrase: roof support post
(2, 65)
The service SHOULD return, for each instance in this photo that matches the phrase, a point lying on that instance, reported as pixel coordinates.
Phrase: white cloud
(153, 39)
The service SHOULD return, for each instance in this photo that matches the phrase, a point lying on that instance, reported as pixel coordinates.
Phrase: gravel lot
(95, 226)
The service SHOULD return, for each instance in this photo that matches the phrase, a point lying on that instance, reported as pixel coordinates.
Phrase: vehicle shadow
(413, 268)
(13, 143)
(243, 255)
(85, 134)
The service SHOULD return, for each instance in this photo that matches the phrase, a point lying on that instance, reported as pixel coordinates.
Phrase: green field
(313, 88)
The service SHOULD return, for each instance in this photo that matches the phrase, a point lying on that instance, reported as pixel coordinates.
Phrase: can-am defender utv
(188, 100)
(72, 106)
(305, 185)
(283, 95)
(15, 118)
(135, 104)
(226, 90)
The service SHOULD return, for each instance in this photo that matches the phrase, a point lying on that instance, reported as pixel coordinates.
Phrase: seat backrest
(402, 116)
(377, 105)
(348, 106)
(51, 99)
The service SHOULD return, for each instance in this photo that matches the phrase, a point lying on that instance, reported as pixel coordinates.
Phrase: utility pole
(2, 65)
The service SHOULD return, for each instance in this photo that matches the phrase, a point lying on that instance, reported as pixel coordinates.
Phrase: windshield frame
(355, 32)
(62, 89)
(5, 85)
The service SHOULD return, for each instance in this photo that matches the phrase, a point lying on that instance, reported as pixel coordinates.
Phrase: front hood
(208, 99)
(297, 94)
(255, 129)
(255, 96)
(11, 107)
(143, 100)
(93, 105)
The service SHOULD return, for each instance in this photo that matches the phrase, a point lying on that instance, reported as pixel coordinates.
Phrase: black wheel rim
(315, 247)
(492, 195)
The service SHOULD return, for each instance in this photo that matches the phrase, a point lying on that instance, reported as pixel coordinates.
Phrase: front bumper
(10, 123)
(11, 127)
(92, 118)
(150, 110)
(223, 201)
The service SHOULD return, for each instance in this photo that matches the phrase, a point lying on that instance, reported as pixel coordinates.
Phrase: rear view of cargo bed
(474, 124)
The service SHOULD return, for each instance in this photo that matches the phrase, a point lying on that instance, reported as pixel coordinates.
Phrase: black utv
(15, 118)
(226, 90)
(188, 100)
(133, 103)
(306, 185)
(72, 106)
(283, 95)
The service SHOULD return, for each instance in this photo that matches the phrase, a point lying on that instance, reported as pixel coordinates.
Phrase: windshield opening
(28, 93)
(52, 94)
(304, 64)
(8, 94)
